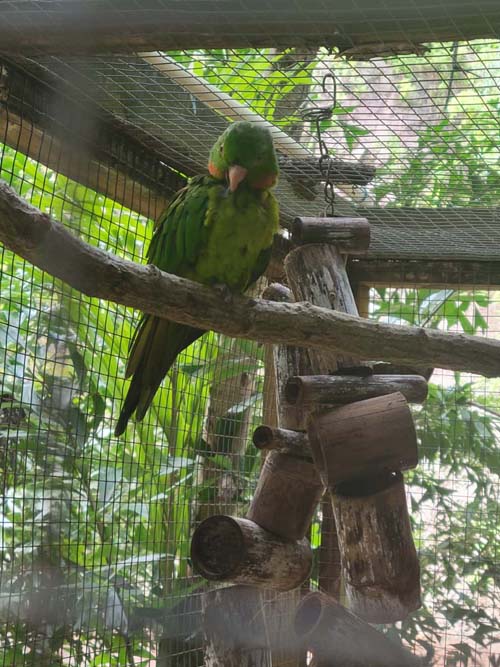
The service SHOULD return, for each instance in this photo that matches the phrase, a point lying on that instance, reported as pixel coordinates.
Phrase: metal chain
(325, 162)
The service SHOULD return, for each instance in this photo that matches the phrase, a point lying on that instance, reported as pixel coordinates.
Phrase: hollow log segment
(231, 549)
(363, 439)
(380, 565)
(350, 235)
(314, 390)
(338, 637)
(287, 493)
(316, 273)
(285, 440)
(234, 626)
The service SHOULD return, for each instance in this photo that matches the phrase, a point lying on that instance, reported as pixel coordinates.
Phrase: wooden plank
(80, 166)
(452, 274)
(81, 26)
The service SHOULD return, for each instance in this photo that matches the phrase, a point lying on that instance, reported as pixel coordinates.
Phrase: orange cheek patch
(266, 182)
(213, 171)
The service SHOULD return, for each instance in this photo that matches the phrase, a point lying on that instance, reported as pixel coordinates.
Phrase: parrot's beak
(236, 175)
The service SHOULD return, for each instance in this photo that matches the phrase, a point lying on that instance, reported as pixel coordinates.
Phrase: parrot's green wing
(260, 266)
(179, 236)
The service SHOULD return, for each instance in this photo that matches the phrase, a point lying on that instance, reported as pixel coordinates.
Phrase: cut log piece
(286, 496)
(363, 439)
(337, 637)
(314, 390)
(379, 561)
(350, 235)
(234, 626)
(225, 548)
(316, 273)
(285, 361)
(285, 440)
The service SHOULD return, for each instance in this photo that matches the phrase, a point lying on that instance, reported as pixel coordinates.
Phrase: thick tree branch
(50, 246)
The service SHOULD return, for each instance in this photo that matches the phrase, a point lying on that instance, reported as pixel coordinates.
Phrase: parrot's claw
(224, 292)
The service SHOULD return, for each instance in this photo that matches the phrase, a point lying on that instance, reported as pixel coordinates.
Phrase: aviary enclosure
(332, 469)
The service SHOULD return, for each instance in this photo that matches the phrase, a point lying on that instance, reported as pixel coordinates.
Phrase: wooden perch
(49, 245)
(225, 548)
(350, 235)
(314, 390)
(363, 439)
(337, 637)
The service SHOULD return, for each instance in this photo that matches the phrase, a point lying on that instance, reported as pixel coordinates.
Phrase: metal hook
(325, 163)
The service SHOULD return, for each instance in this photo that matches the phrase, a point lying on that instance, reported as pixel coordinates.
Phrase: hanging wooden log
(313, 390)
(237, 550)
(283, 362)
(234, 626)
(363, 439)
(379, 561)
(350, 235)
(286, 496)
(316, 273)
(337, 637)
(285, 440)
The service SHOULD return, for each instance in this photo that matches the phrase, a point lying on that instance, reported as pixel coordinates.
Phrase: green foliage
(104, 524)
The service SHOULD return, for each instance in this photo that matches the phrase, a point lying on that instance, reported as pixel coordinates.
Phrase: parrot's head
(244, 153)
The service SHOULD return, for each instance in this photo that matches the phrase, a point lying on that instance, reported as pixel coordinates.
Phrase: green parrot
(218, 230)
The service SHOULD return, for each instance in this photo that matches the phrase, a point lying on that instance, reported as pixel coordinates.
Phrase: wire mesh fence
(96, 530)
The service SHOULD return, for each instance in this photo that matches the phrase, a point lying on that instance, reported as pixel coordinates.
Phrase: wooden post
(314, 390)
(380, 563)
(350, 235)
(337, 637)
(235, 630)
(231, 549)
(282, 361)
(316, 273)
(363, 439)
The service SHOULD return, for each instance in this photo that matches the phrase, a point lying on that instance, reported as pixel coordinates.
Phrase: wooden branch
(337, 637)
(350, 235)
(313, 390)
(226, 548)
(47, 244)
(82, 27)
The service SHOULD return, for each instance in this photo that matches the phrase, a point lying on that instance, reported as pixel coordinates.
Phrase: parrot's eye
(221, 149)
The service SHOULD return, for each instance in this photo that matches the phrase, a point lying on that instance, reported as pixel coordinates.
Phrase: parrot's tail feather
(154, 350)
